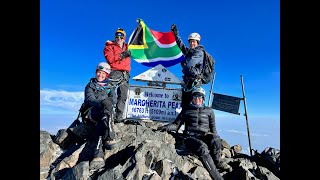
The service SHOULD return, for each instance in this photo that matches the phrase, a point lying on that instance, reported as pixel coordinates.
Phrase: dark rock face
(146, 154)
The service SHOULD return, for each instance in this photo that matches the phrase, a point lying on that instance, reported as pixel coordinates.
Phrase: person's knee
(203, 151)
(197, 146)
(216, 143)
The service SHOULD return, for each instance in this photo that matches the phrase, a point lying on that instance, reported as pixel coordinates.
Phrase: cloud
(58, 101)
(245, 133)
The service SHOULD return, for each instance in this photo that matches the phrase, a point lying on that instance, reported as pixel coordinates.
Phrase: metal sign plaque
(154, 103)
(226, 103)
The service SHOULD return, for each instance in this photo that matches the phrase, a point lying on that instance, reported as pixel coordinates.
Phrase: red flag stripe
(163, 37)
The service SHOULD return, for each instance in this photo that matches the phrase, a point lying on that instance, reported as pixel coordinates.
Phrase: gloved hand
(199, 76)
(162, 128)
(105, 103)
(125, 54)
(174, 29)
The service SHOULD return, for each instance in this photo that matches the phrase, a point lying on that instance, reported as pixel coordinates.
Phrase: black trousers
(104, 123)
(208, 149)
(119, 95)
(203, 145)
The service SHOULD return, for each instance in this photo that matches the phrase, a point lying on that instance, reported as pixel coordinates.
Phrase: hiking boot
(224, 166)
(110, 144)
(96, 163)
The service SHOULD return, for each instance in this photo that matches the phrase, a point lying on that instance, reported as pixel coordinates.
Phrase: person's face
(101, 75)
(119, 39)
(197, 100)
(193, 43)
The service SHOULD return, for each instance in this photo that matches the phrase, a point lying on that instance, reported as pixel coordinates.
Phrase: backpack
(208, 67)
(85, 113)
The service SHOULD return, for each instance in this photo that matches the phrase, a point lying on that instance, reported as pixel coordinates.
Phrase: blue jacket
(193, 61)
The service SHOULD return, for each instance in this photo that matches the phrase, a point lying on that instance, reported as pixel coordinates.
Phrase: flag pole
(246, 114)
(210, 94)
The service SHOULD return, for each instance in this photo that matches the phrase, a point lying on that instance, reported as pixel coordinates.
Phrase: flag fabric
(150, 48)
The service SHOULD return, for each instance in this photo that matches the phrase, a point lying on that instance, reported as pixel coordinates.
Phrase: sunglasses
(121, 37)
(100, 67)
(195, 97)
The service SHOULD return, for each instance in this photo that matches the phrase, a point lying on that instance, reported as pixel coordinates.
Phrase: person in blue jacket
(192, 64)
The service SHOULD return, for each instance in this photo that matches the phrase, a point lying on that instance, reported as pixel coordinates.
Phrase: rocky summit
(144, 153)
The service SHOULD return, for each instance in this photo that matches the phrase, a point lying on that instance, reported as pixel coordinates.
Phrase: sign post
(210, 94)
(245, 113)
(231, 104)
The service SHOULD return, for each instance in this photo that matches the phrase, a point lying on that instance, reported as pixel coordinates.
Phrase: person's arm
(174, 125)
(110, 55)
(181, 45)
(90, 98)
(179, 41)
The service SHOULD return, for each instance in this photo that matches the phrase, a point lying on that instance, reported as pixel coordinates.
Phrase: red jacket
(112, 53)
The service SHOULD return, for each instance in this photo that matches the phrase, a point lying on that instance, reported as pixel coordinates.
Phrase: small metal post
(210, 94)
(246, 114)
(136, 134)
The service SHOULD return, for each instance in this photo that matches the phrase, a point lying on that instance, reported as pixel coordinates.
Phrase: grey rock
(78, 172)
(142, 154)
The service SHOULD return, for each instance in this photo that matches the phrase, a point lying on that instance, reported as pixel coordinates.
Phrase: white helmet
(194, 36)
(104, 67)
(200, 91)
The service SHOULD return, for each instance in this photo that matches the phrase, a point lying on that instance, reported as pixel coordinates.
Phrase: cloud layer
(245, 133)
(60, 101)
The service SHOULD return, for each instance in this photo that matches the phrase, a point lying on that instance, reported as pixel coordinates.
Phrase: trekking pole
(136, 134)
(99, 142)
(210, 94)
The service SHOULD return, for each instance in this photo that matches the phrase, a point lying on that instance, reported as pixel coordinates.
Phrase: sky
(242, 36)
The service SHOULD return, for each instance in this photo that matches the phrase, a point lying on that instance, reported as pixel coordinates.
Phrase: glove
(174, 29)
(199, 76)
(125, 54)
(105, 103)
(162, 128)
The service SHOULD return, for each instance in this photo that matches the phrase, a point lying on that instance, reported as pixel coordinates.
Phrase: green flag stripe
(154, 50)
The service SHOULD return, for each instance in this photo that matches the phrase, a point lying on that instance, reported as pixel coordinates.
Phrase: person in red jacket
(118, 56)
